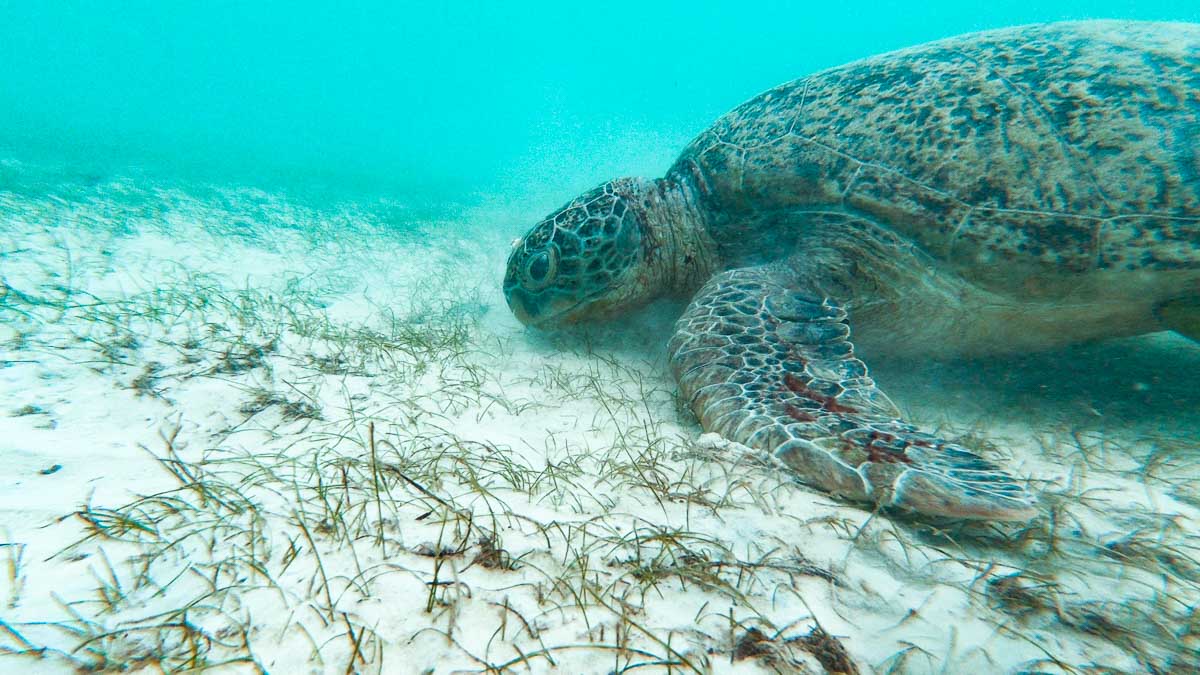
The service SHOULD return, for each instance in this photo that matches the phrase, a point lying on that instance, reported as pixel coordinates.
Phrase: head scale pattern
(578, 261)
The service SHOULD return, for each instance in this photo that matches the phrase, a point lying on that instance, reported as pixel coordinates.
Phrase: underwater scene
(634, 337)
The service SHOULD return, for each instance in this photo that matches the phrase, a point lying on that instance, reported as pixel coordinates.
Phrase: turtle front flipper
(764, 364)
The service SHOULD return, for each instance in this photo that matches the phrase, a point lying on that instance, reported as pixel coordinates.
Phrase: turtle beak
(525, 311)
(541, 314)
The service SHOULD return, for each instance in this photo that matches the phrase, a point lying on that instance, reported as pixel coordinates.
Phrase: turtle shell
(1070, 147)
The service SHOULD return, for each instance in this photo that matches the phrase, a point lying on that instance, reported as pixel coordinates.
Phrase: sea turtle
(1003, 191)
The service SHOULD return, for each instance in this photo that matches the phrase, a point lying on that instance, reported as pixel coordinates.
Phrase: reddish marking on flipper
(875, 453)
(886, 455)
(828, 403)
(798, 414)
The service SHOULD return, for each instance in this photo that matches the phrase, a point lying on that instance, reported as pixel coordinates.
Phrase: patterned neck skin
(680, 254)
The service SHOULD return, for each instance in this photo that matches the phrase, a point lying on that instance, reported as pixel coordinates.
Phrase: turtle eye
(539, 270)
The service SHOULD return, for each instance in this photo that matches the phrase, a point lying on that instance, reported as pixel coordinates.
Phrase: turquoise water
(441, 103)
(261, 246)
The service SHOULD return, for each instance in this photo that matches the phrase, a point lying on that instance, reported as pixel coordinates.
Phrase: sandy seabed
(244, 434)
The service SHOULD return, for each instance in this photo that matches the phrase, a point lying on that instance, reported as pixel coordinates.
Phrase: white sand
(189, 381)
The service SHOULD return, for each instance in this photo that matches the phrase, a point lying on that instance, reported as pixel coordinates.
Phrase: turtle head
(588, 260)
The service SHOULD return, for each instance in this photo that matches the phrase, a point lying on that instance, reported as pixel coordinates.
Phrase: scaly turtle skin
(999, 192)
